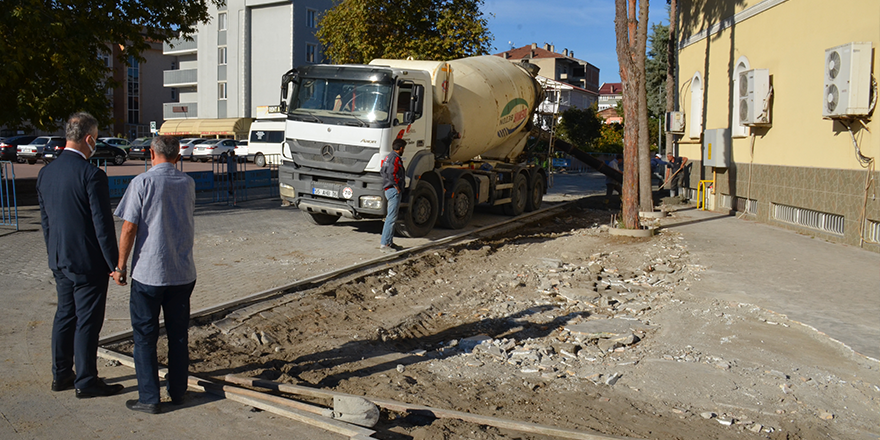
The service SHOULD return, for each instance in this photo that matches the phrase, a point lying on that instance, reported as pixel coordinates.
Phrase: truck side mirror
(418, 100)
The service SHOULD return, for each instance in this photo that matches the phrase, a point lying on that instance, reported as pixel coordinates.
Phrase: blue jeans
(144, 306)
(393, 199)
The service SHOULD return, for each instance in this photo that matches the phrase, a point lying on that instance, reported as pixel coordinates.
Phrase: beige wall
(788, 37)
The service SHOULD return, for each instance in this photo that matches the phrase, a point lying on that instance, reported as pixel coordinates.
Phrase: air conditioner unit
(847, 80)
(754, 97)
(675, 122)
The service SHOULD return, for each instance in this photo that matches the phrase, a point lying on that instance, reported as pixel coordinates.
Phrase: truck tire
(260, 160)
(459, 207)
(519, 195)
(320, 219)
(421, 214)
(536, 194)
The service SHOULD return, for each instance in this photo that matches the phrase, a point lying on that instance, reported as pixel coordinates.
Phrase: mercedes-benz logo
(327, 152)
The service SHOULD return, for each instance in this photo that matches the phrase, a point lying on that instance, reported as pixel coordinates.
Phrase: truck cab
(341, 121)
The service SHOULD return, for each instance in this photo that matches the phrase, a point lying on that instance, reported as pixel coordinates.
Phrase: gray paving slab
(832, 287)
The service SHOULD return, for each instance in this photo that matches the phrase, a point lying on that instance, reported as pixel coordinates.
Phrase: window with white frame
(737, 129)
(312, 18)
(221, 90)
(221, 55)
(311, 53)
(221, 21)
(695, 121)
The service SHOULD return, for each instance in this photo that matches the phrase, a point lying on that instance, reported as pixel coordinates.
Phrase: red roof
(527, 52)
(611, 89)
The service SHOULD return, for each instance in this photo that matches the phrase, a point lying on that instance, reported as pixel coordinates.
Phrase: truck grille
(337, 157)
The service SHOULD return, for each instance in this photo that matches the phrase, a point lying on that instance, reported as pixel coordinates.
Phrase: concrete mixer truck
(465, 121)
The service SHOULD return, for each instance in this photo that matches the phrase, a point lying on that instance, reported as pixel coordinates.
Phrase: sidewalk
(831, 287)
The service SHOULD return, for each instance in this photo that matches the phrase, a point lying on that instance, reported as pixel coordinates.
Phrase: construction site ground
(717, 327)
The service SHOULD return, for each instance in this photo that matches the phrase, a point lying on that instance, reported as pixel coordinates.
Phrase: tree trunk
(625, 27)
(646, 201)
(670, 68)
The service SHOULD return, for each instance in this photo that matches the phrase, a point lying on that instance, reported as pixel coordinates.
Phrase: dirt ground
(556, 324)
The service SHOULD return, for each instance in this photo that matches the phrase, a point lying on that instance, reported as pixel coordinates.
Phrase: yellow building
(778, 103)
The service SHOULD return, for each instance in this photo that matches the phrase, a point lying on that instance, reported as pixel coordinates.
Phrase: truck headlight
(371, 202)
(286, 191)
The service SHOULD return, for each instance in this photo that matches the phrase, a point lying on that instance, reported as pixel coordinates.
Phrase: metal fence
(8, 199)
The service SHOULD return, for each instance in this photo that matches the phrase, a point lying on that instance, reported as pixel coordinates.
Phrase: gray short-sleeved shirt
(161, 203)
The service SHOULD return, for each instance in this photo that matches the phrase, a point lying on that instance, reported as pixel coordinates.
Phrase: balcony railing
(180, 110)
(181, 46)
(181, 78)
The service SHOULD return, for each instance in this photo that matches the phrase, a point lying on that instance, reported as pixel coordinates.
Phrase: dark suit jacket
(77, 222)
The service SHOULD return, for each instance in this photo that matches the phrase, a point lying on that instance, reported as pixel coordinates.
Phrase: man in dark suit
(80, 238)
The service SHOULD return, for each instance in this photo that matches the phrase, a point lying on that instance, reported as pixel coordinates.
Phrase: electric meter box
(716, 148)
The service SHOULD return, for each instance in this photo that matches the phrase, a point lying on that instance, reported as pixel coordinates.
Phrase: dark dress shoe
(99, 389)
(65, 383)
(149, 408)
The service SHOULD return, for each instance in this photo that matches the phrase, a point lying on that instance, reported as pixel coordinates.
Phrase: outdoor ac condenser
(675, 122)
(754, 97)
(847, 80)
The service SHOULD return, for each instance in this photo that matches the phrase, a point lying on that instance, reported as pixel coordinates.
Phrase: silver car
(214, 148)
(187, 146)
(33, 151)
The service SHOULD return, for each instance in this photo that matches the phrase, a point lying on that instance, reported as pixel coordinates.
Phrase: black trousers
(78, 321)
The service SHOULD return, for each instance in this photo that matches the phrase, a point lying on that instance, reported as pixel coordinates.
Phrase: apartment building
(234, 64)
(563, 67)
(778, 115)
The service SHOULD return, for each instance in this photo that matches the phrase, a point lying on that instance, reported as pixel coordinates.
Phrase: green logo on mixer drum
(515, 113)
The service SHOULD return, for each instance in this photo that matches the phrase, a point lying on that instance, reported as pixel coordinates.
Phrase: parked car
(187, 145)
(52, 148)
(214, 148)
(103, 151)
(118, 142)
(33, 151)
(241, 150)
(9, 146)
(140, 149)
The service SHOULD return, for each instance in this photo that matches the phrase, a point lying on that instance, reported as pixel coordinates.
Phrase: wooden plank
(435, 412)
(299, 411)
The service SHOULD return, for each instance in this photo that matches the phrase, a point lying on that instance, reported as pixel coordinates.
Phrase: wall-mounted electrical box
(754, 97)
(847, 80)
(716, 148)
(675, 122)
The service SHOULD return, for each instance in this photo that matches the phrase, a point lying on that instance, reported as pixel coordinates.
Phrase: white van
(264, 142)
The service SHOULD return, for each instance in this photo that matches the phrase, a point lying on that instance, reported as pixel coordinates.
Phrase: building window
(221, 21)
(221, 55)
(311, 18)
(221, 90)
(311, 53)
(133, 98)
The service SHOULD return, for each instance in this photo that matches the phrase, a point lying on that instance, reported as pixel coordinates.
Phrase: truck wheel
(519, 195)
(460, 207)
(320, 219)
(536, 194)
(421, 214)
(260, 160)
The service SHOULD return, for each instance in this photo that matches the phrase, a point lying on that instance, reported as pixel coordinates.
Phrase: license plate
(325, 192)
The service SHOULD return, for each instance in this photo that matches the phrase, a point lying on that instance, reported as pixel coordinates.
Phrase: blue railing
(8, 198)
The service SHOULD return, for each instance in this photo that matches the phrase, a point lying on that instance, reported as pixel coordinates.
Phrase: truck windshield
(359, 103)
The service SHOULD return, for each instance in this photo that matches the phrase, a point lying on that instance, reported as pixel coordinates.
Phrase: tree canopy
(358, 31)
(581, 128)
(53, 52)
(655, 70)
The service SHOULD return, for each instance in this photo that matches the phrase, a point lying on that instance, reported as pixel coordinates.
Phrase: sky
(583, 26)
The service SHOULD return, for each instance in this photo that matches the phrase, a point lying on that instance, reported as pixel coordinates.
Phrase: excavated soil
(556, 324)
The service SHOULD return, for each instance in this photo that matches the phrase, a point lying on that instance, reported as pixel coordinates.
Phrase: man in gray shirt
(158, 232)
